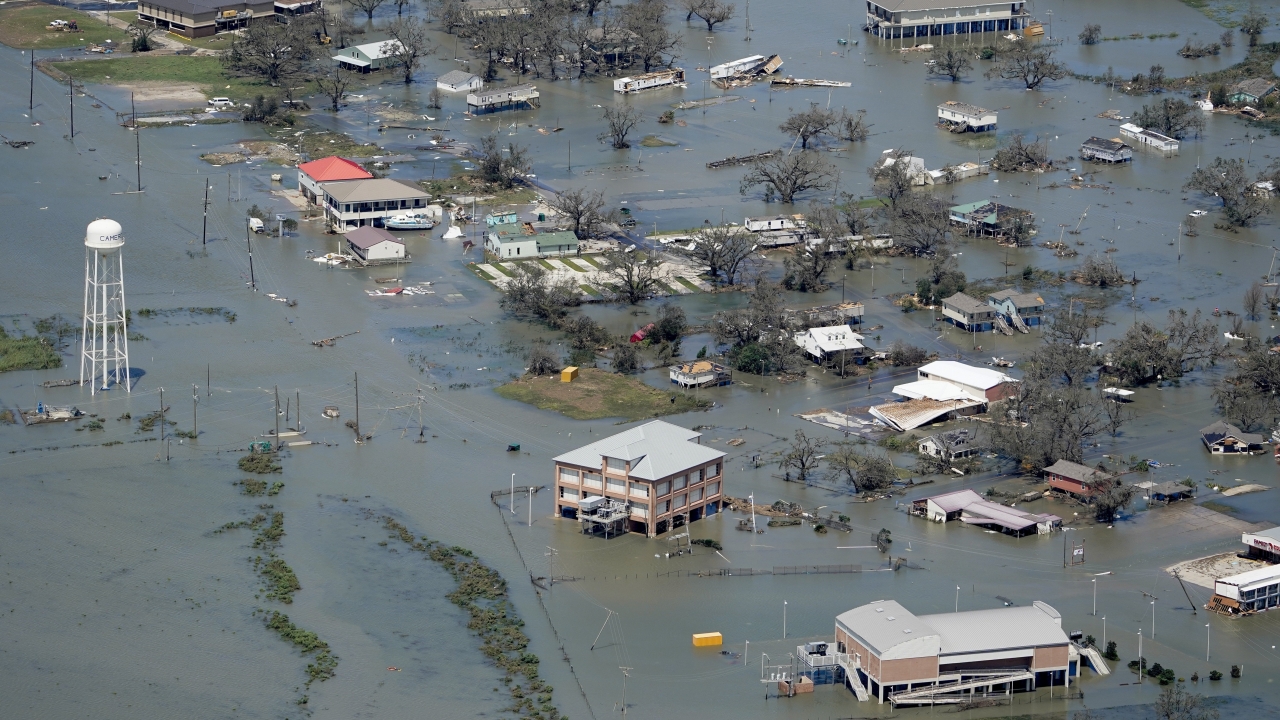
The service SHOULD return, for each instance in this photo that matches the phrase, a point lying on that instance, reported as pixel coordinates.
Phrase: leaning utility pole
(204, 230)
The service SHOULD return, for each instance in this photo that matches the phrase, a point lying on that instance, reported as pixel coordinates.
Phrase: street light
(1153, 618)
(957, 598)
(1095, 596)
(784, 619)
(1104, 631)
(1206, 642)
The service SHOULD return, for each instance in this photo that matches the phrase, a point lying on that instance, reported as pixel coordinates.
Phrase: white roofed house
(971, 508)
(459, 81)
(1149, 139)
(824, 343)
(962, 117)
(943, 389)
(514, 97)
(899, 19)
(890, 653)
(369, 57)
(650, 478)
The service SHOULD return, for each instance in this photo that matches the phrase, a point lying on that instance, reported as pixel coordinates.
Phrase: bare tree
(1243, 403)
(1028, 62)
(621, 121)
(652, 42)
(1175, 703)
(1254, 300)
(1091, 34)
(402, 4)
(1174, 117)
(865, 470)
(582, 208)
(853, 127)
(892, 176)
(334, 86)
(786, 176)
(804, 455)
(723, 250)
(711, 12)
(274, 52)
(1156, 78)
(366, 6)
(809, 124)
(533, 293)
(499, 165)
(805, 269)
(1228, 39)
(1253, 23)
(921, 223)
(542, 361)
(408, 45)
(435, 98)
(949, 61)
(1146, 351)
(634, 274)
(1228, 181)
(1073, 325)
(1021, 156)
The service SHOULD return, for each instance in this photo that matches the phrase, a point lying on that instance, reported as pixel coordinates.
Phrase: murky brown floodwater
(117, 602)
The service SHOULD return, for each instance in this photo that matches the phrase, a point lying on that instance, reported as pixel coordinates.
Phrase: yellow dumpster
(711, 639)
(569, 374)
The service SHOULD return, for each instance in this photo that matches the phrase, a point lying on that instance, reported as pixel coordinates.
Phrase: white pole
(784, 619)
(1140, 668)
(1104, 632)
(1095, 596)
(511, 504)
(1153, 618)
(746, 659)
(530, 506)
(1206, 642)
(957, 598)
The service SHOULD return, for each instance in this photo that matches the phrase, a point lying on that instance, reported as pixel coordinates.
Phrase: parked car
(1198, 213)
(221, 102)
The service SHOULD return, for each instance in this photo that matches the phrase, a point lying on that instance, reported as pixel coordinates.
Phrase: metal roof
(456, 77)
(334, 168)
(1076, 471)
(914, 5)
(934, 390)
(372, 190)
(1020, 299)
(1005, 628)
(966, 303)
(911, 414)
(1103, 144)
(829, 339)
(368, 236)
(1221, 430)
(656, 450)
(1262, 574)
(958, 372)
(373, 50)
(965, 108)
(1271, 533)
(891, 631)
(955, 501)
(1257, 87)
(556, 239)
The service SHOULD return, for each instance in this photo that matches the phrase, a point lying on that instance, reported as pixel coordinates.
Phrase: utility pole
(162, 414)
(511, 499)
(204, 229)
(530, 506)
(137, 140)
(277, 392)
(624, 687)
(551, 570)
(784, 619)
(253, 283)
(71, 99)
(195, 400)
(1141, 669)
(31, 95)
(208, 377)
(357, 407)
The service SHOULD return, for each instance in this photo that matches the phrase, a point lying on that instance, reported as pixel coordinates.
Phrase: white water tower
(104, 337)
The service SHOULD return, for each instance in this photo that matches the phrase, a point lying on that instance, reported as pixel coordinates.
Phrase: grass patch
(546, 264)
(469, 182)
(205, 72)
(590, 290)
(688, 284)
(483, 275)
(573, 265)
(1219, 507)
(1257, 63)
(667, 288)
(24, 26)
(325, 663)
(322, 143)
(598, 394)
(653, 141)
(502, 269)
(27, 352)
(875, 202)
(592, 262)
(260, 463)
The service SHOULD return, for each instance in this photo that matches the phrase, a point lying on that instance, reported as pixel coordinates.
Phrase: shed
(1112, 151)
(458, 81)
(1251, 91)
(373, 244)
(1223, 438)
(569, 374)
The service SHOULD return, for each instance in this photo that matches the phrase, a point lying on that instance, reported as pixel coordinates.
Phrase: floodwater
(118, 601)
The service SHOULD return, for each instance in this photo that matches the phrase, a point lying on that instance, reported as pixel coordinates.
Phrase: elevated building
(650, 479)
(959, 116)
(890, 653)
(898, 19)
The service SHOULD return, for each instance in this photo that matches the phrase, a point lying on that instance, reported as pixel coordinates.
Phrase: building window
(681, 501)
(639, 490)
(592, 480)
(568, 493)
(702, 475)
(611, 464)
(616, 486)
(682, 482)
(641, 509)
(695, 495)
(717, 471)
(664, 488)
(664, 506)
(713, 489)
(568, 476)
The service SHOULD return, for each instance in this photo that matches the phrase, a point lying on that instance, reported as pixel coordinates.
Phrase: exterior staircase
(1017, 323)
(1002, 326)
(850, 666)
(953, 692)
(1096, 660)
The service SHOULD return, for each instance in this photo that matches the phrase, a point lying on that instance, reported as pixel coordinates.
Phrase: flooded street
(119, 600)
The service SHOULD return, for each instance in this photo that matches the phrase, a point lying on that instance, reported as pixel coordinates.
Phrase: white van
(221, 102)
(256, 225)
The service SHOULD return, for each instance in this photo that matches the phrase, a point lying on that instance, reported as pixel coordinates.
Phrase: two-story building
(968, 313)
(990, 219)
(890, 653)
(202, 18)
(656, 476)
(894, 19)
(355, 203)
(1074, 478)
(330, 169)
(1018, 308)
(962, 117)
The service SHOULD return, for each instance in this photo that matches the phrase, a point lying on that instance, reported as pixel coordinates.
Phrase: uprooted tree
(1021, 156)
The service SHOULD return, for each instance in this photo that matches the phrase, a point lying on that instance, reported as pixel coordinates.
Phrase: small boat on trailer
(410, 221)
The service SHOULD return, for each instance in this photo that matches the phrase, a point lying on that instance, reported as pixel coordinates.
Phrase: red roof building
(329, 169)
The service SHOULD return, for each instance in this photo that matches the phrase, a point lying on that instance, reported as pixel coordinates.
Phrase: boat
(410, 221)
(48, 413)
(287, 432)
(1001, 362)
(333, 259)
(330, 411)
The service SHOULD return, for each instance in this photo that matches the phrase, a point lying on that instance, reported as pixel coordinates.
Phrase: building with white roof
(962, 117)
(983, 383)
(1249, 592)
(902, 19)
(660, 473)
(369, 56)
(458, 81)
(943, 389)
(1149, 139)
(822, 343)
(892, 654)
(971, 508)
(1263, 544)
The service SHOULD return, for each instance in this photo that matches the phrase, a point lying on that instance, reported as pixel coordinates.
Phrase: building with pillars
(652, 477)
(894, 19)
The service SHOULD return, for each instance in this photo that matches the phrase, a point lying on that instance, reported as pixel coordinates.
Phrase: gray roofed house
(962, 117)
(459, 80)
(1170, 491)
(660, 470)
(1225, 438)
(375, 245)
(1112, 151)
(968, 312)
(371, 190)
(903, 19)
(1251, 90)
(352, 203)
